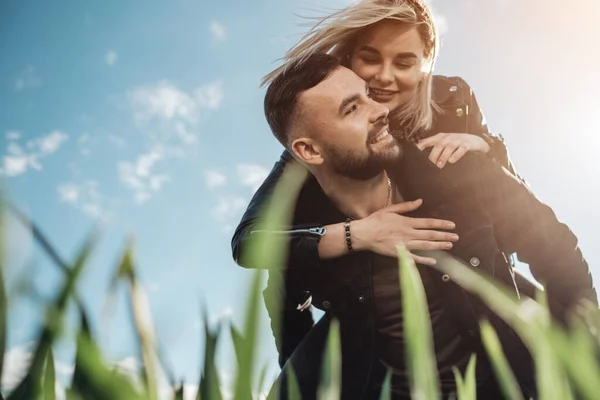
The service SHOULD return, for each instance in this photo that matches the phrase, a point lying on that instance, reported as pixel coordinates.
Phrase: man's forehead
(338, 85)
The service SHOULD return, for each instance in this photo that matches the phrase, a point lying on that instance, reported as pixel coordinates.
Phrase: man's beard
(361, 167)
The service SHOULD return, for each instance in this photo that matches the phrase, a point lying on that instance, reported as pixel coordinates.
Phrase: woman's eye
(368, 60)
(351, 109)
(403, 65)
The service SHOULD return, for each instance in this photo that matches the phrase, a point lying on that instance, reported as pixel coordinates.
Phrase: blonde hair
(336, 33)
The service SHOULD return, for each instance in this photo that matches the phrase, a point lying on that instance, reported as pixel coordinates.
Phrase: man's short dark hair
(282, 95)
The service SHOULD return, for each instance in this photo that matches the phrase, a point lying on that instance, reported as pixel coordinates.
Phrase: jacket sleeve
(525, 225)
(477, 124)
(290, 322)
(303, 236)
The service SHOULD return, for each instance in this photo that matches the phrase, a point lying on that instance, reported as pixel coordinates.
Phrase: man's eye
(351, 109)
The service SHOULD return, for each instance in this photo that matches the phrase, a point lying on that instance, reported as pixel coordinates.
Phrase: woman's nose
(384, 75)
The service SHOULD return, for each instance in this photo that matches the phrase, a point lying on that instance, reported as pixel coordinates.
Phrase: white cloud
(85, 197)
(214, 179)
(50, 143)
(14, 166)
(210, 95)
(13, 135)
(221, 317)
(111, 58)
(116, 141)
(28, 78)
(139, 177)
(227, 210)
(252, 175)
(168, 116)
(16, 362)
(218, 31)
(18, 160)
(163, 101)
(86, 141)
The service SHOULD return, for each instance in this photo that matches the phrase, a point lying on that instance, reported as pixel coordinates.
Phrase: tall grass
(567, 365)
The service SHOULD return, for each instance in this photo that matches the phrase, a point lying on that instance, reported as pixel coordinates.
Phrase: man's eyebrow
(406, 54)
(348, 100)
(351, 99)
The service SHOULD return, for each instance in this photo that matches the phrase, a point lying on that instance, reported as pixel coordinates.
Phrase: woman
(392, 45)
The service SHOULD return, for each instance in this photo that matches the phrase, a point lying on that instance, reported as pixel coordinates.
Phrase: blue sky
(148, 117)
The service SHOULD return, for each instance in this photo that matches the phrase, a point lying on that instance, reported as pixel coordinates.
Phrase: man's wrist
(360, 241)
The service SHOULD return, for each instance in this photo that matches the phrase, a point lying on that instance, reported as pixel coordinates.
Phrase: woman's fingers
(458, 154)
(446, 154)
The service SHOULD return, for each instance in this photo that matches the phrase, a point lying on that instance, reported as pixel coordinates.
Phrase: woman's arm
(463, 128)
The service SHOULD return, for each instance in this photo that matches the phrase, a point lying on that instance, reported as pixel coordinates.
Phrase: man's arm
(525, 225)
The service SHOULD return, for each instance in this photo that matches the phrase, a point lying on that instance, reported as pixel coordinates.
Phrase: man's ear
(307, 151)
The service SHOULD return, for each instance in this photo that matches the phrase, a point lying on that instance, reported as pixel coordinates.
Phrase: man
(322, 114)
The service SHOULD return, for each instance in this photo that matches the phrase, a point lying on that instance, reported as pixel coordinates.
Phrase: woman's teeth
(380, 92)
(380, 137)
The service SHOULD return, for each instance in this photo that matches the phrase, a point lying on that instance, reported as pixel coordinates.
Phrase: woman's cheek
(364, 71)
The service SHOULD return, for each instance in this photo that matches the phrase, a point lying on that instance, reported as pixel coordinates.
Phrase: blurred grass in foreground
(567, 365)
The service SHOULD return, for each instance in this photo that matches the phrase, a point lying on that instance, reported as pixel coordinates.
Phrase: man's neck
(355, 198)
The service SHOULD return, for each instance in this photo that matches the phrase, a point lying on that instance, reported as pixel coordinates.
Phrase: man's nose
(379, 113)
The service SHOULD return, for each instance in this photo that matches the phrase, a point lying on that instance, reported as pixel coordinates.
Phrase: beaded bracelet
(348, 237)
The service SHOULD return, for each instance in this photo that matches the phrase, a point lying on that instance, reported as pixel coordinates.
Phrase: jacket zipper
(312, 231)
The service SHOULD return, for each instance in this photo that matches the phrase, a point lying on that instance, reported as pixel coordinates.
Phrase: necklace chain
(387, 199)
(389, 193)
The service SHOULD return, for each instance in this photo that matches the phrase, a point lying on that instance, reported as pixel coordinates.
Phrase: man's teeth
(381, 136)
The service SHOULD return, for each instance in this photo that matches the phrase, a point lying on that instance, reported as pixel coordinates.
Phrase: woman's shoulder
(449, 89)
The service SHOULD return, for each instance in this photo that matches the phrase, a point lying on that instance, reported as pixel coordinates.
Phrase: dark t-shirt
(451, 349)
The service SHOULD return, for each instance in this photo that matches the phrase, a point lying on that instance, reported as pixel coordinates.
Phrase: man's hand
(451, 147)
(383, 230)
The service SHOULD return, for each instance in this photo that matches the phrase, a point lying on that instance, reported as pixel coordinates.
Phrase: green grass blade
(331, 372)
(247, 352)
(269, 251)
(386, 388)
(293, 387)
(30, 387)
(506, 378)
(466, 387)
(142, 321)
(579, 356)
(261, 380)
(178, 393)
(3, 297)
(49, 378)
(92, 378)
(420, 359)
(210, 386)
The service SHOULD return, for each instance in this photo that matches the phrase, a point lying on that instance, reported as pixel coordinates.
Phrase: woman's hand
(383, 230)
(451, 147)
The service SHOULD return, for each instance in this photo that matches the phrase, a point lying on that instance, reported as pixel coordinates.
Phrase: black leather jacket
(495, 212)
